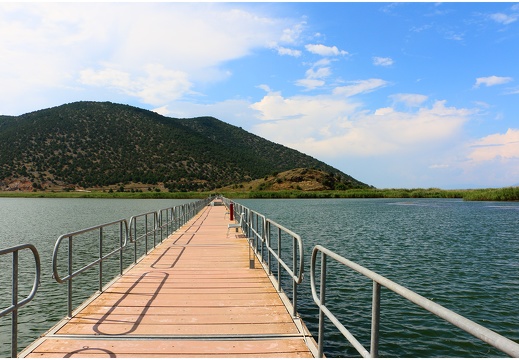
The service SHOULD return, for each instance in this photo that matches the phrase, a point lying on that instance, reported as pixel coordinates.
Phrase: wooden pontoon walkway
(192, 296)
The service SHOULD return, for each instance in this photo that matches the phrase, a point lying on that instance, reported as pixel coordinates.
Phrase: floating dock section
(194, 295)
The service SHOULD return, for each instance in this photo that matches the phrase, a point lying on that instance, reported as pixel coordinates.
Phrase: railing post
(161, 225)
(322, 295)
(146, 234)
(167, 225)
(69, 283)
(121, 264)
(135, 240)
(294, 283)
(267, 233)
(375, 320)
(155, 228)
(257, 238)
(262, 237)
(170, 219)
(14, 316)
(279, 257)
(250, 239)
(100, 257)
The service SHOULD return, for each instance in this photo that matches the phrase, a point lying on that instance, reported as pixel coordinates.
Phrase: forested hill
(94, 144)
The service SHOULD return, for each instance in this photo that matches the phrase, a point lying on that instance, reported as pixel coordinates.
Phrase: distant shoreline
(492, 194)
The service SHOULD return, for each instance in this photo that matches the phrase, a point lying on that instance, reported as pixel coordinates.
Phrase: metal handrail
(296, 239)
(167, 221)
(490, 337)
(134, 237)
(16, 303)
(123, 242)
(255, 224)
(258, 229)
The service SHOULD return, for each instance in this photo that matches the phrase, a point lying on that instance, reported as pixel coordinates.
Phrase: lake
(41, 221)
(462, 255)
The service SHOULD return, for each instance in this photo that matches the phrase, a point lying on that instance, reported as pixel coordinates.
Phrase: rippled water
(462, 255)
(40, 222)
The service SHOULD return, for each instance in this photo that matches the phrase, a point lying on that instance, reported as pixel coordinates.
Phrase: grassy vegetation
(500, 194)
(106, 195)
(350, 194)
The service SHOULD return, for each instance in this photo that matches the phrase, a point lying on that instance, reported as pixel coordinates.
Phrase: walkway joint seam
(179, 337)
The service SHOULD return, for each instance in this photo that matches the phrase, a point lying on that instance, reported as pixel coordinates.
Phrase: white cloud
(106, 77)
(157, 86)
(50, 46)
(314, 78)
(384, 111)
(316, 75)
(492, 81)
(275, 107)
(310, 84)
(504, 18)
(332, 126)
(411, 100)
(439, 166)
(324, 50)
(161, 85)
(322, 62)
(392, 132)
(382, 61)
(496, 146)
(292, 34)
(290, 52)
(451, 35)
(264, 87)
(359, 87)
(512, 91)
(193, 36)
(320, 73)
(492, 160)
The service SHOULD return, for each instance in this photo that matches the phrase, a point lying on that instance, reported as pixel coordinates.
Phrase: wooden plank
(279, 348)
(196, 285)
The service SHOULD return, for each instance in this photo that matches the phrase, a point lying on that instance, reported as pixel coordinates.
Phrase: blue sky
(394, 94)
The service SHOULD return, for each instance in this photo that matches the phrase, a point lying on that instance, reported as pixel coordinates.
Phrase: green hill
(93, 144)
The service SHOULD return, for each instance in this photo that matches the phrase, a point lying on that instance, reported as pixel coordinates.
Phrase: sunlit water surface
(40, 222)
(462, 255)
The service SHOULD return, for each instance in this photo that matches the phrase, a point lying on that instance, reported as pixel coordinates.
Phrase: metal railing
(167, 221)
(140, 228)
(71, 273)
(297, 271)
(16, 303)
(490, 337)
(149, 218)
(266, 238)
